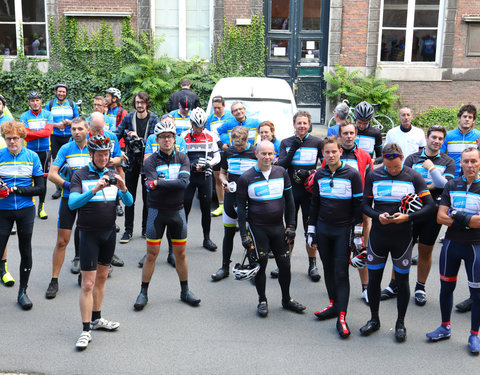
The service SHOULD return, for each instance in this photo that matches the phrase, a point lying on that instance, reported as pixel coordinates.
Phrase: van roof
(253, 88)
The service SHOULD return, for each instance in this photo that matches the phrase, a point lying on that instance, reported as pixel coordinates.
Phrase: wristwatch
(453, 213)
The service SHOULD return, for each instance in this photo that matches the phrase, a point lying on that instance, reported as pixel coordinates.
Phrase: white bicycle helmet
(245, 272)
(164, 127)
(198, 117)
(114, 92)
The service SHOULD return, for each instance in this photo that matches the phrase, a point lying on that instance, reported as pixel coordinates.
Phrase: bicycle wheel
(331, 122)
(382, 122)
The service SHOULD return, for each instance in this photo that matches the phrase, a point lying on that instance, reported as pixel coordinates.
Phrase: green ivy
(447, 117)
(356, 87)
(242, 51)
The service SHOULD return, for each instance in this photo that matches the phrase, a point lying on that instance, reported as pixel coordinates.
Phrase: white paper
(280, 51)
(310, 44)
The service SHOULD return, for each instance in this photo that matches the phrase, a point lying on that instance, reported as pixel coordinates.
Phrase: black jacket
(174, 99)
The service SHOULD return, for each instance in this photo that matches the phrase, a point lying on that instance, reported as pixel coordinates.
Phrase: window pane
(278, 49)
(310, 49)
(393, 45)
(166, 27)
(198, 28)
(426, 17)
(7, 11)
(427, 2)
(395, 13)
(8, 40)
(34, 41)
(33, 10)
(311, 14)
(198, 43)
(424, 45)
(170, 44)
(280, 14)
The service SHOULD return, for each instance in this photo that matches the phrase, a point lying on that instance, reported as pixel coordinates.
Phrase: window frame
(19, 30)
(182, 27)
(409, 31)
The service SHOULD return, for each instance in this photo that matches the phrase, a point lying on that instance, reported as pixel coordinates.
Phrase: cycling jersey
(225, 131)
(152, 145)
(305, 157)
(95, 212)
(458, 196)
(455, 142)
(410, 141)
(214, 122)
(18, 170)
(203, 145)
(39, 127)
(337, 196)
(5, 118)
(386, 192)
(117, 113)
(62, 111)
(265, 197)
(74, 157)
(370, 140)
(236, 163)
(182, 123)
(333, 130)
(444, 163)
(172, 173)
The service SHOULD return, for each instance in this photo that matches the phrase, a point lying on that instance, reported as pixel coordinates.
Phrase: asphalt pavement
(223, 335)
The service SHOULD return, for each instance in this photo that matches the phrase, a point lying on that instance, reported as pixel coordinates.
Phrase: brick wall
(421, 95)
(354, 33)
(460, 60)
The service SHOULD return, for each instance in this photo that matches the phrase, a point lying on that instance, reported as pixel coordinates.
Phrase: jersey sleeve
(148, 146)
(242, 186)
(408, 161)
(287, 183)
(357, 188)
(149, 168)
(368, 189)
(76, 184)
(37, 166)
(223, 161)
(445, 198)
(450, 169)
(185, 164)
(420, 185)
(75, 110)
(116, 147)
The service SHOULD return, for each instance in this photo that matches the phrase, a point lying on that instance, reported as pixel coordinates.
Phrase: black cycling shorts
(174, 220)
(66, 216)
(96, 248)
(426, 231)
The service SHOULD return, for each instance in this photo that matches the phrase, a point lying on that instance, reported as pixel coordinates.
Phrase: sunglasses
(167, 115)
(217, 99)
(392, 156)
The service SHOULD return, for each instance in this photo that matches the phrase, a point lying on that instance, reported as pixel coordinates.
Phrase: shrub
(446, 117)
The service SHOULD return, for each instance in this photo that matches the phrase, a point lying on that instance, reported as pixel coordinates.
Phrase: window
(411, 31)
(185, 27)
(23, 19)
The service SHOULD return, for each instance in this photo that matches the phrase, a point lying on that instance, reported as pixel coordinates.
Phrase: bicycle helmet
(2, 99)
(34, 95)
(61, 84)
(364, 111)
(198, 117)
(99, 143)
(164, 127)
(114, 92)
(410, 203)
(245, 272)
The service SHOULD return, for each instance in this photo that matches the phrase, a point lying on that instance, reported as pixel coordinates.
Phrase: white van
(265, 99)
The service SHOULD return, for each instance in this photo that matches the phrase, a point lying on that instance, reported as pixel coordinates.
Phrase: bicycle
(378, 121)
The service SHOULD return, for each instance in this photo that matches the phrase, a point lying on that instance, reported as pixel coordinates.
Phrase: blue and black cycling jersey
(236, 163)
(370, 140)
(455, 142)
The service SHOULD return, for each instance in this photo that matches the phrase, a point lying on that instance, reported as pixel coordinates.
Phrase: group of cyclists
(360, 200)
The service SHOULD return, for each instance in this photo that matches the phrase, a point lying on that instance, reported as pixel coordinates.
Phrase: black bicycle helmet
(364, 111)
(61, 84)
(34, 95)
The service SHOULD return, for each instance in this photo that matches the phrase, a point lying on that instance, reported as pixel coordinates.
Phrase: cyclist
(361, 161)
(63, 111)
(336, 205)
(93, 192)
(3, 116)
(182, 115)
(266, 131)
(266, 189)
(239, 119)
(391, 231)
(368, 137)
(39, 126)
(72, 157)
(22, 176)
(184, 91)
(114, 106)
(341, 117)
(300, 153)
(436, 168)
(410, 138)
(136, 127)
(459, 210)
(214, 121)
(456, 141)
(235, 161)
(99, 106)
(167, 173)
(202, 150)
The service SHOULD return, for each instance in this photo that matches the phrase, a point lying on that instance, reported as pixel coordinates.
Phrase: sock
(96, 315)
(54, 280)
(184, 286)
(446, 325)
(312, 261)
(86, 326)
(364, 287)
(220, 203)
(419, 286)
(3, 262)
(144, 288)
